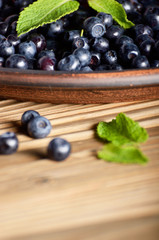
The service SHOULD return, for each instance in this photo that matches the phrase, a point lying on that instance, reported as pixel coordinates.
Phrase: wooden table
(82, 198)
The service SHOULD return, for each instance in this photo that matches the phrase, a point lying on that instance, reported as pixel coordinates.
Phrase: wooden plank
(82, 197)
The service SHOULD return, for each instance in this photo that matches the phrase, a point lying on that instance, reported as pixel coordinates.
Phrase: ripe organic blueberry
(28, 49)
(17, 61)
(27, 116)
(8, 143)
(100, 45)
(86, 69)
(124, 39)
(55, 29)
(143, 29)
(95, 59)
(71, 35)
(114, 32)
(110, 57)
(39, 41)
(80, 42)
(106, 19)
(146, 47)
(129, 51)
(39, 127)
(48, 53)
(69, 63)
(94, 27)
(140, 62)
(6, 49)
(83, 55)
(59, 149)
(4, 28)
(143, 37)
(13, 39)
(155, 64)
(46, 63)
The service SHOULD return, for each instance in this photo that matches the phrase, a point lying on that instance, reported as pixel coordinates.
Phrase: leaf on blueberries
(43, 12)
(122, 130)
(121, 154)
(114, 8)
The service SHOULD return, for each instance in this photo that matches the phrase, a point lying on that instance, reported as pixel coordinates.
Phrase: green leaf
(130, 154)
(43, 12)
(122, 130)
(114, 8)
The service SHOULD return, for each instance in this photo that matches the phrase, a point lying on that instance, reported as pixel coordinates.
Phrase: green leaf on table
(43, 12)
(122, 130)
(120, 154)
(114, 8)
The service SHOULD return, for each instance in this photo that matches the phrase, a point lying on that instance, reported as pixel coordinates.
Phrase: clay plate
(64, 87)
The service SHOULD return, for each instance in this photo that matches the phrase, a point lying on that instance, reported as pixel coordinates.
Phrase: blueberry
(71, 35)
(83, 55)
(6, 49)
(146, 47)
(106, 19)
(140, 62)
(129, 51)
(95, 59)
(127, 5)
(38, 40)
(17, 61)
(47, 53)
(13, 39)
(46, 63)
(28, 49)
(110, 57)
(143, 37)
(39, 127)
(86, 69)
(114, 32)
(2, 38)
(8, 143)
(100, 45)
(117, 67)
(124, 39)
(143, 29)
(69, 63)
(55, 29)
(4, 28)
(94, 27)
(155, 64)
(27, 116)
(80, 42)
(59, 149)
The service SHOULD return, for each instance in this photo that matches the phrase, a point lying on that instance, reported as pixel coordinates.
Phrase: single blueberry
(69, 63)
(59, 149)
(114, 32)
(28, 49)
(94, 27)
(80, 42)
(110, 57)
(100, 45)
(46, 63)
(17, 61)
(106, 19)
(140, 62)
(86, 69)
(8, 143)
(39, 127)
(155, 63)
(48, 53)
(6, 49)
(83, 55)
(71, 35)
(129, 51)
(124, 39)
(27, 116)
(95, 59)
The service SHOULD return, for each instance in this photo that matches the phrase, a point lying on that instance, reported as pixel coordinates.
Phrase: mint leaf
(130, 154)
(122, 130)
(43, 12)
(114, 8)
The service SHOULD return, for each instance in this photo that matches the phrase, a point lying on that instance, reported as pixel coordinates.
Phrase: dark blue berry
(114, 32)
(94, 27)
(146, 47)
(86, 69)
(27, 116)
(16, 61)
(2, 62)
(80, 42)
(140, 62)
(155, 63)
(71, 35)
(28, 49)
(69, 63)
(13, 39)
(39, 41)
(55, 29)
(143, 37)
(95, 59)
(39, 127)
(128, 52)
(83, 55)
(4, 28)
(100, 45)
(47, 53)
(143, 29)
(6, 49)
(106, 19)
(46, 63)
(110, 57)
(8, 143)
(59, 149)
(124, 39)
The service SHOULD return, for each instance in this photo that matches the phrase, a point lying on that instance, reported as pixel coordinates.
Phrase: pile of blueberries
(83, 41)
(36, 126)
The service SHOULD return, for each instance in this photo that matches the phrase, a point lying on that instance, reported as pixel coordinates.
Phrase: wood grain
(83, 88)
(81, 198)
